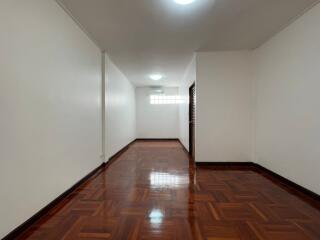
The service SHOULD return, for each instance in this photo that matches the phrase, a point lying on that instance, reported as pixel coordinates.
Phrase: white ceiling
(160, 36)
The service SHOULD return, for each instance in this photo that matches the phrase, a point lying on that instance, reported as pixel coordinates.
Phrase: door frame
(191, 129)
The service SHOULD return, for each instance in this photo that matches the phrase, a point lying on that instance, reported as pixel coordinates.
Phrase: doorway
(192, 120)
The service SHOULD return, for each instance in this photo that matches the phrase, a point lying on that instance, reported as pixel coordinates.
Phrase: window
(164, 99)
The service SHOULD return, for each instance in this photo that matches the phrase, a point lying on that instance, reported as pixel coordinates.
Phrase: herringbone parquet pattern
(153, 192)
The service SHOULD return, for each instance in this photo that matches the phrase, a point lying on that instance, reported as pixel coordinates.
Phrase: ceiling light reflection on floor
(156, 216)
(167, 180)
(184, 2)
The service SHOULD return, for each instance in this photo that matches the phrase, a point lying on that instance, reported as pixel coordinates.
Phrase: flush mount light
(184, 2)
(156, 77)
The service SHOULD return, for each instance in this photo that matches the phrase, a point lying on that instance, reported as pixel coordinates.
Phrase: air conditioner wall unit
(156, 90)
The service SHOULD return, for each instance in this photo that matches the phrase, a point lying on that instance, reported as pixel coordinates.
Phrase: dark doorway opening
(192, 120)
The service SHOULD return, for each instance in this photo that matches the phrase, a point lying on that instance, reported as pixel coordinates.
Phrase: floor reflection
(168, 180)
(156, 217)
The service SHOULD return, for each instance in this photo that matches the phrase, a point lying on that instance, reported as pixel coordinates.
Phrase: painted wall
(120, 109)
(288, 116)
(188, 79)
(224, 116)
(156, 121)
(50, 107)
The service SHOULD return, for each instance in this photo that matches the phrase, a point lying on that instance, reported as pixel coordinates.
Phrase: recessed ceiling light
(184, 2)
(156, 77)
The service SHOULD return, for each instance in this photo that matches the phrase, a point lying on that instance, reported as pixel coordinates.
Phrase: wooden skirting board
(301, 192)
(17, 231)
(296, 189)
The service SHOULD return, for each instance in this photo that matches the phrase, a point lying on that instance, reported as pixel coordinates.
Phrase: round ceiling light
(156, 77)
(184, 2)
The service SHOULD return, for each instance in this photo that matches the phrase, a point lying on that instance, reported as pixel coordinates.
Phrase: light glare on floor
(167, 180)
(184, 2)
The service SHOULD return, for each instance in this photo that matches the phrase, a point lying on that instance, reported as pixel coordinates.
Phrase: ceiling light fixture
(184, 2)
(156, 77)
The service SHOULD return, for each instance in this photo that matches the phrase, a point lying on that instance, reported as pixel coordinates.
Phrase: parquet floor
(152, 192)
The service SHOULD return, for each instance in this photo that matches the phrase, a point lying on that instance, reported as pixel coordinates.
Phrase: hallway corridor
(152, 191)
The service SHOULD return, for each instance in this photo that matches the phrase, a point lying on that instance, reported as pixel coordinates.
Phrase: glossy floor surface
(153, 192)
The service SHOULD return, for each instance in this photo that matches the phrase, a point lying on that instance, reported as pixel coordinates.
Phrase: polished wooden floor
(153, 192)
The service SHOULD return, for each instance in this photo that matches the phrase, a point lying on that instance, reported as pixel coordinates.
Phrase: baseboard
(301, 192)
(227, 165)
(184, 148)
(305, 194)
(24, 226)
(213, 164)
(117, 154)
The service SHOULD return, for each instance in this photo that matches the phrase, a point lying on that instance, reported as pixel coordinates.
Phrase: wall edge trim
(297, 190)
(26, 224)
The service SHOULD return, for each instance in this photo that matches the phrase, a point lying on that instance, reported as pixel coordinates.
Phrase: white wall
(188, 79)
(224, 114)
(120, 110)
(156, 120)
(281, 80)
(50, 107)
(288, 116)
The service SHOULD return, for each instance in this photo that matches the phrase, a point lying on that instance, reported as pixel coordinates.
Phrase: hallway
(152, 192)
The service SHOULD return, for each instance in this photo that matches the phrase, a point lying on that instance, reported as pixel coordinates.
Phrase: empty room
(160, 119)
